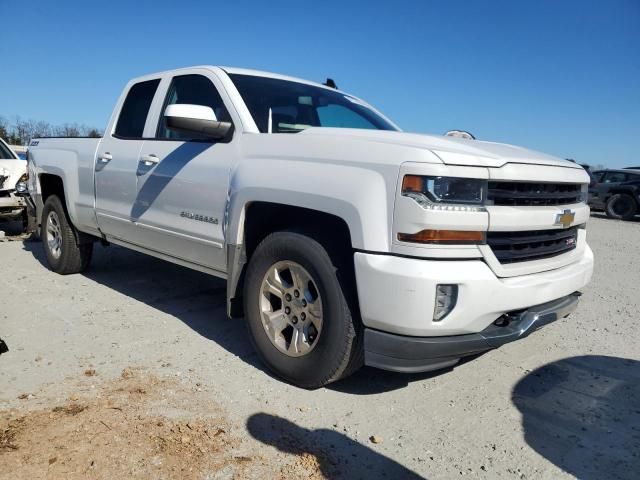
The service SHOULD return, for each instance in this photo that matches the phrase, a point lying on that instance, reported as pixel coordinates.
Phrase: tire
(61, 248)
(335, 350)
(621, 206)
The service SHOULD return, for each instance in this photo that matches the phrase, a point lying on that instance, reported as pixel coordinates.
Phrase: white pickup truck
(344, 241)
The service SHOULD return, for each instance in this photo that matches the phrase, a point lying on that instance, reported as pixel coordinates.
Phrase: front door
(182, 183)
(117, 161)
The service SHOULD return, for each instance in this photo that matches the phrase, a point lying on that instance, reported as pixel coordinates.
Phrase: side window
(334, 115)
(193, 90)
(615, 177)
(5, 153)
(135, 108)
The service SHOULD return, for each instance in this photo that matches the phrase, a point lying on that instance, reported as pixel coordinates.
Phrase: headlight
(446, 193)
(21, 184)
(584, 193)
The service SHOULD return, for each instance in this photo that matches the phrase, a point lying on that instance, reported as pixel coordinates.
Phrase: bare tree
(42, 129)
(4, 128)
(68, 130)
(20, 132)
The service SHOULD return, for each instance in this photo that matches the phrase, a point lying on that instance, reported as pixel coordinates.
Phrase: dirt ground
(132, 370)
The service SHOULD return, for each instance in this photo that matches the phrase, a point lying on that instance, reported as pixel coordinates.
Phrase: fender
(359, 196)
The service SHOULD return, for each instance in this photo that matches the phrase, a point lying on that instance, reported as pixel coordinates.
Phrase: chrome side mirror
(196, 119)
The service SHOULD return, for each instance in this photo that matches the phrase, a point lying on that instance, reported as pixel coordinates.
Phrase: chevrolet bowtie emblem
(565, 218)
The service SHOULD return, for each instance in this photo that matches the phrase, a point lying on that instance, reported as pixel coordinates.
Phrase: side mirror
(196, 119)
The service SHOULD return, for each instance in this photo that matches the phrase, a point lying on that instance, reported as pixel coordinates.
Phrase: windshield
(296, 106)
(5, 153)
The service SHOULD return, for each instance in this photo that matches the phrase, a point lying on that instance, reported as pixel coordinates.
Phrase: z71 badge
(199, 218)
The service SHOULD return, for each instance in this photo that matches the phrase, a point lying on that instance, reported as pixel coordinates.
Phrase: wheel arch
(53, 184)
(261, 218)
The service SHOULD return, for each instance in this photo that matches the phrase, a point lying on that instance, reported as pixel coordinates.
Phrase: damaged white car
(13, 183)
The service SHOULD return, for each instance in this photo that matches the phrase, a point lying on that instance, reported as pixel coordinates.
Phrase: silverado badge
(199, 218)
(565, 218)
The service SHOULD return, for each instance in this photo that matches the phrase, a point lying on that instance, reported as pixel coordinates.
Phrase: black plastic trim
(402, 353)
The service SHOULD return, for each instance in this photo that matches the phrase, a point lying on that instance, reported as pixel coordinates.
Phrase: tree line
(21, 131)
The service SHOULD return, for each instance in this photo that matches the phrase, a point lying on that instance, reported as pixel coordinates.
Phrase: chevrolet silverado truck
(343, 240)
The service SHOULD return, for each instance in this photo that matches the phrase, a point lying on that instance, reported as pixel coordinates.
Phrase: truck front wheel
(61, 248)
(298, 313)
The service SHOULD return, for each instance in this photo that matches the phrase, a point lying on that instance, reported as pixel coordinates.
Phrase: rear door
(182, 180)
(117, 161)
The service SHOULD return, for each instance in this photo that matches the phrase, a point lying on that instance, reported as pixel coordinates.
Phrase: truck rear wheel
(61, 247)
(298, 313)
(621, 206)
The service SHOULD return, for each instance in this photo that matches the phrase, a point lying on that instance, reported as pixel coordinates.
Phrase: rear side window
(193, 90)
(134, 111)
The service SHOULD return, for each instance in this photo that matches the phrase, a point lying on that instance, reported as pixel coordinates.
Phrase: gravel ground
(564, 402)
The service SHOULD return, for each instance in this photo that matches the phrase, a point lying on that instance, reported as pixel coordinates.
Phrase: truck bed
(73, 160)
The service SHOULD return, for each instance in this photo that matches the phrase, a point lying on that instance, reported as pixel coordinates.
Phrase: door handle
(105, 157)
(150, 159)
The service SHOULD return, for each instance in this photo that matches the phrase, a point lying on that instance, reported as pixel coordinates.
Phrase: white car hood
(451, 150)
(14, 169)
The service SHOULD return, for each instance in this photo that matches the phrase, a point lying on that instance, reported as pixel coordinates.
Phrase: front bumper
(402, 353)
(397, 294)
(11, 205)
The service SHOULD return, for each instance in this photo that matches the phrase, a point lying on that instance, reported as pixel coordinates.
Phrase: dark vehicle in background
(617, 192)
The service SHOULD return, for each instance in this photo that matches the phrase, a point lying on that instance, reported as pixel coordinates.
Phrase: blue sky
(558, 76)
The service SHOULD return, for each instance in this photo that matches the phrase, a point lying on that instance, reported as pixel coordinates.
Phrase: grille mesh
(534, 193)
(511, 247)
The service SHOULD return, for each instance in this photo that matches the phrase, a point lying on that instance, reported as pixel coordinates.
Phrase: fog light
(446, 298)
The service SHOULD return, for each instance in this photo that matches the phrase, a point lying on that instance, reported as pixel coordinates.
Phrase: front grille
(511, 247)
(534, 193)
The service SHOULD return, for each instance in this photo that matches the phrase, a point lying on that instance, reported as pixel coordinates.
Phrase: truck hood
(12, 169)
(450, 150)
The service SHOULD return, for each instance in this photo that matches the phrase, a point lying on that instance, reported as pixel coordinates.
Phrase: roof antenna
(270, 123)
(330, 83)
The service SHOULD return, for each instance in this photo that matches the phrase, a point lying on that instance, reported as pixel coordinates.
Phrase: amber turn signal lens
(412, 183)
(443, 236)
